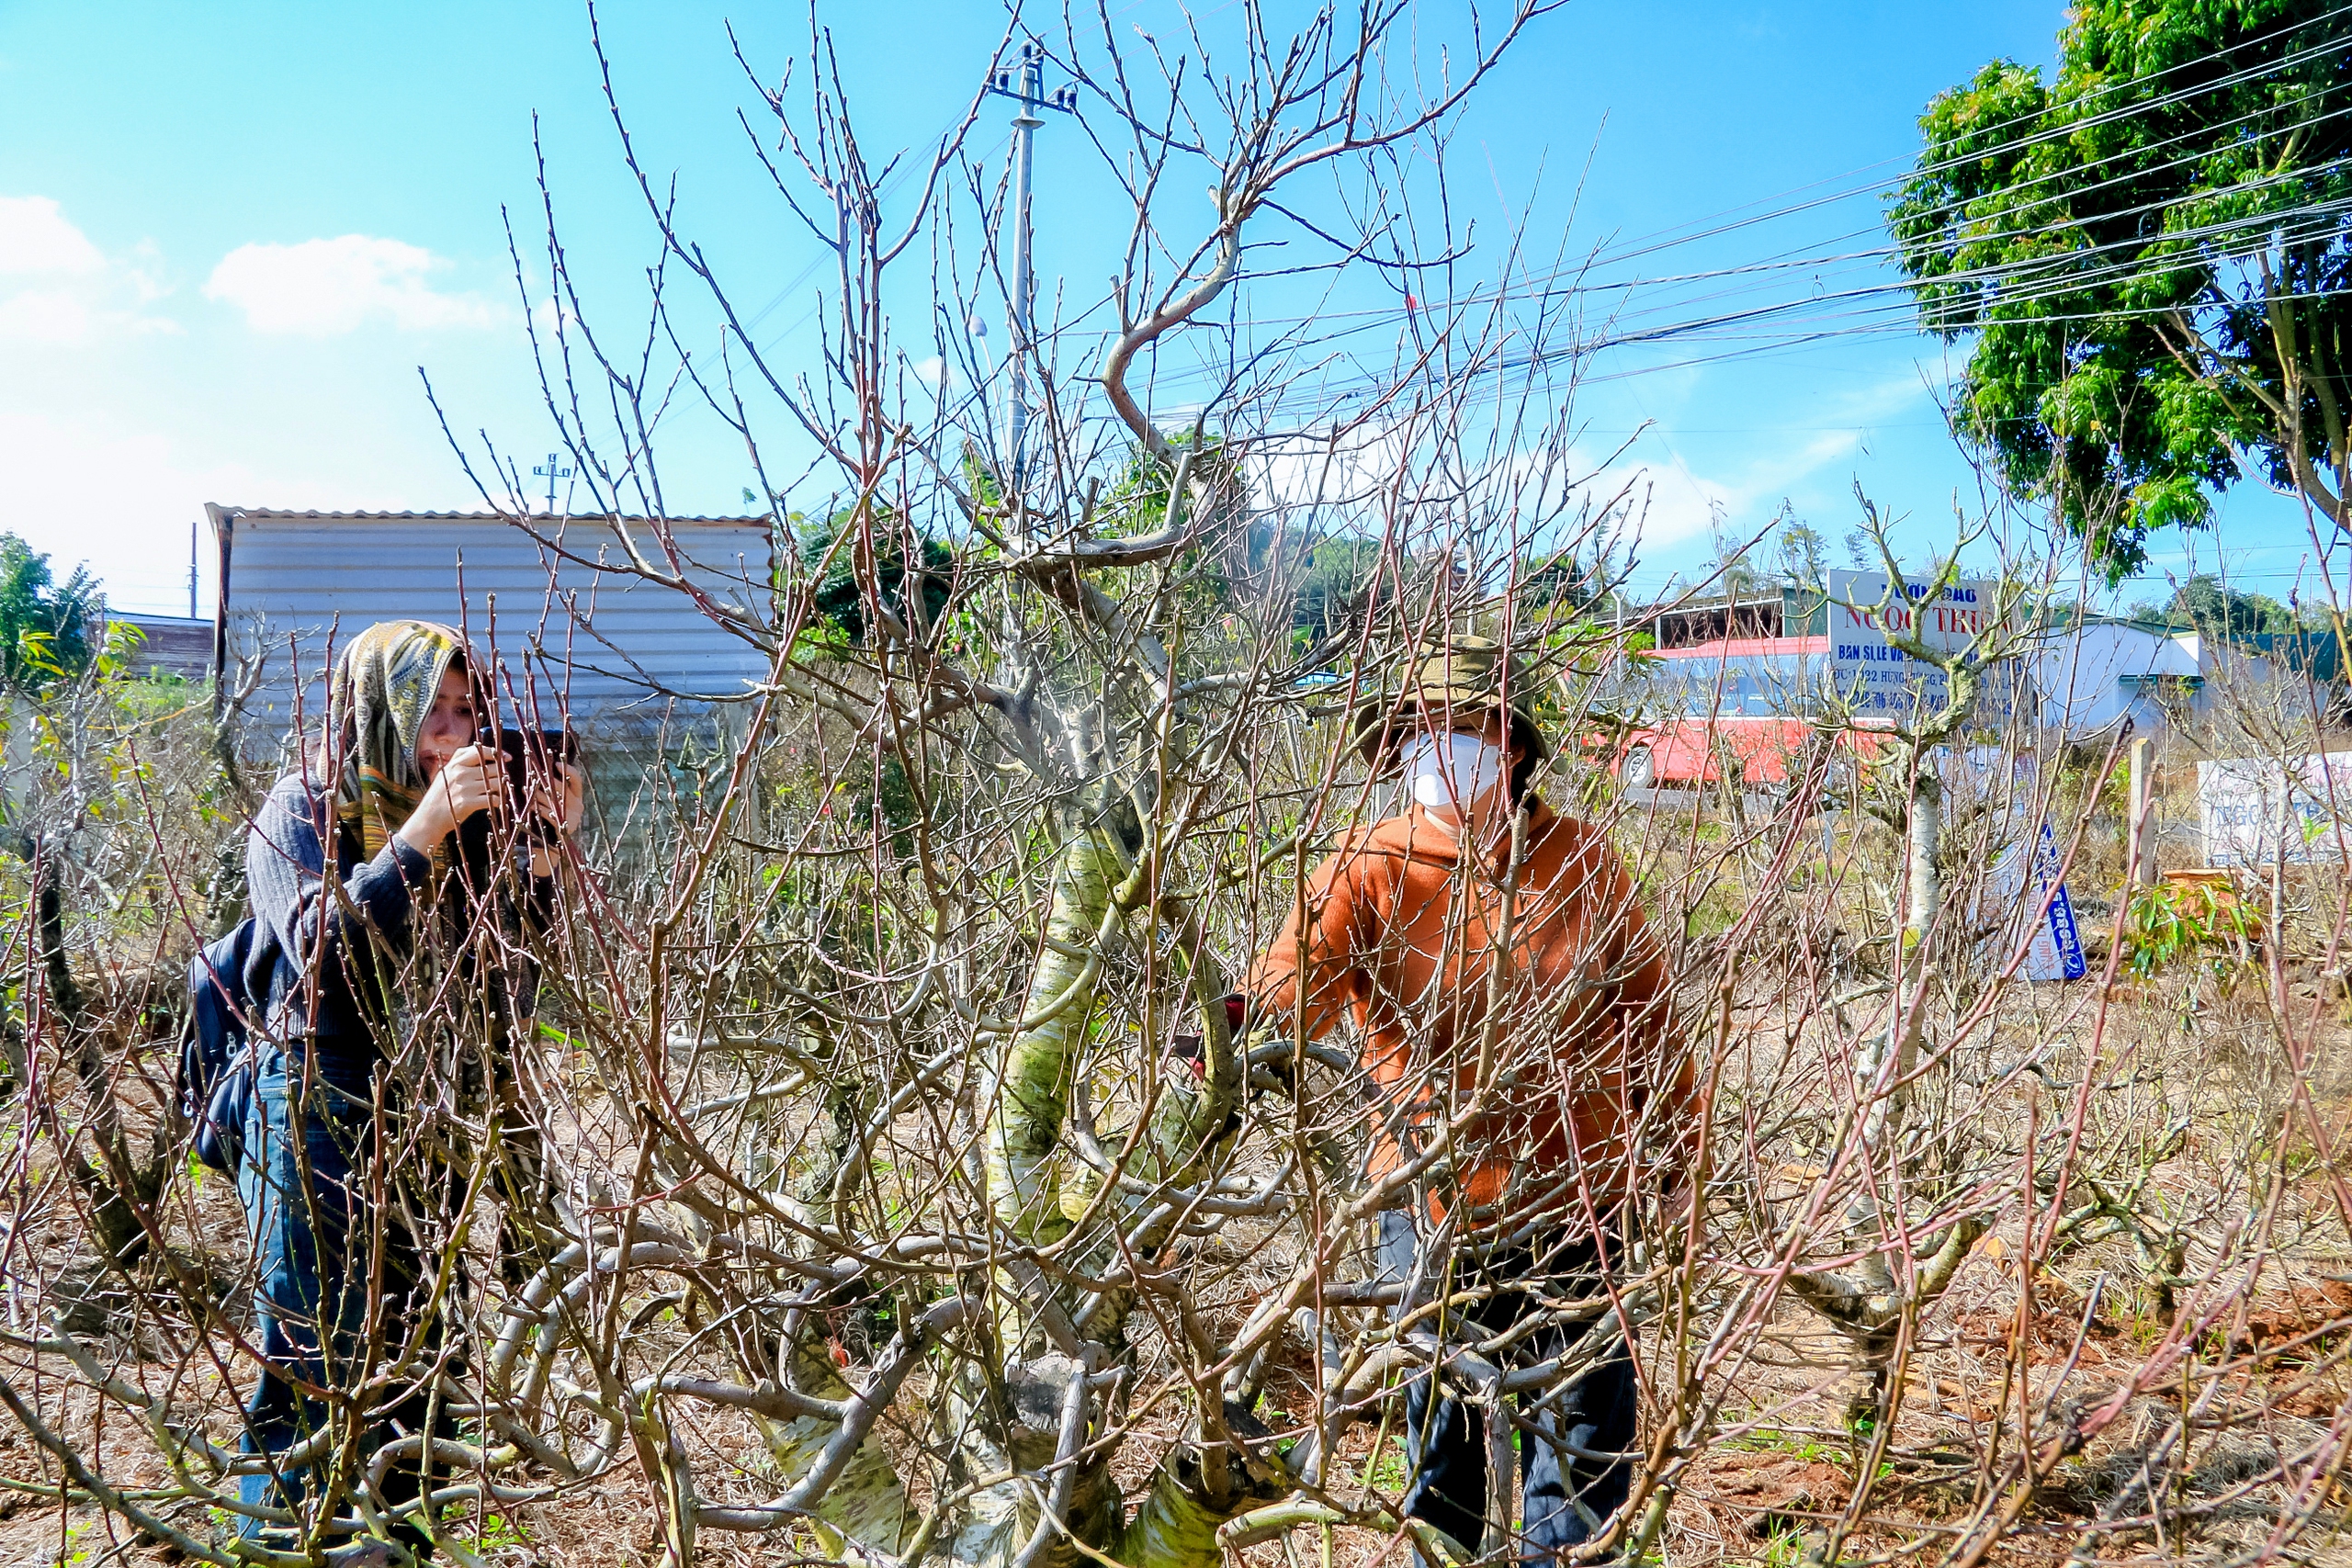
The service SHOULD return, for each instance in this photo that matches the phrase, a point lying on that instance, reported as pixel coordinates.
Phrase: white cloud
(37, 241)
(121, 497)
(1683, 505)
(1377, 478)
(44, 315)
(1348, 476)
(71, 290)
(1662, 495)
(321, 288)
(120, 500)
(1665, 503)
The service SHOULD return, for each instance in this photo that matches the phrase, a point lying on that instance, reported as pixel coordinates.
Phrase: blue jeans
(1445, 1439)
(316, 1281)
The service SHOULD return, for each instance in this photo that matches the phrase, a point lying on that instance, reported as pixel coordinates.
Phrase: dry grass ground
(2202, 1108)
(1781, 1466)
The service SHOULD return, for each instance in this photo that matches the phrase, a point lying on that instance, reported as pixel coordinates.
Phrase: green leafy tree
(1734, 568)
(2203, 603)
(839, 601)
(1800, 555)
(49, 630)
(1561, 582)
(2151, 252)
(1335, 584)
(1136, 499)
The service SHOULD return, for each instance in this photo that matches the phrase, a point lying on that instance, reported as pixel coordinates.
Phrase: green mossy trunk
(1038, 1191)
(867, 1505)
(1175, 1525)
(1031, 1095)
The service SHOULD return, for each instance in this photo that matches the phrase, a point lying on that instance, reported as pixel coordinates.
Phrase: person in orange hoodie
(1514, 1011)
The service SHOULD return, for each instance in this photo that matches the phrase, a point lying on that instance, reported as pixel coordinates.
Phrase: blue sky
(229, 235)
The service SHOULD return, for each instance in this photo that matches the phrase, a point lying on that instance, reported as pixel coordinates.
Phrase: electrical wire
(1670, 238)
(2014, 284)
(2064, 267)
(1662, 311)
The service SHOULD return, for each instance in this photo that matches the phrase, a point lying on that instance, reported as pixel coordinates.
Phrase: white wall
(2087, 676)
(299, 584)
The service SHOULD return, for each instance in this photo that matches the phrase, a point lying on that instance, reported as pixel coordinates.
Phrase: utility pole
(2139, 842)
(551, 472)
(191, 571)
(1029, 92)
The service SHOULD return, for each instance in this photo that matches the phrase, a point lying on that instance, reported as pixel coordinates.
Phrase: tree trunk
(1924, 839)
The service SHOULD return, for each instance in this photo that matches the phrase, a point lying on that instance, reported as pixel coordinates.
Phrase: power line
(2013, 285)
(1869, 308)
(2044, 278)
(1642, 247)
(1326, 403)
(1715, 229)
(1881, 252)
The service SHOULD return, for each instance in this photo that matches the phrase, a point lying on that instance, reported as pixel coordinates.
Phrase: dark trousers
(308, 1179)
(1445, 1439)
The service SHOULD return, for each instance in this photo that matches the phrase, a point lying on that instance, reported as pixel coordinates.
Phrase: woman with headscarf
(343, 864)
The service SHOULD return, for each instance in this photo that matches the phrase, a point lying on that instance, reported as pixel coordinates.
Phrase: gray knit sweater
(313, 943)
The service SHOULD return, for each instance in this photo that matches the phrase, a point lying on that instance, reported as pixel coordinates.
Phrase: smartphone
(526, 757)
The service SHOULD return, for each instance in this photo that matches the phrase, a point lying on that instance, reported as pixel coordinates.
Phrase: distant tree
(2152, 255)
(2206, 603)
(1334, 585)
(1800, 555)
(839, 601)
(1561, 582)
(1733, 570)
(1136, 501)
(49, 630)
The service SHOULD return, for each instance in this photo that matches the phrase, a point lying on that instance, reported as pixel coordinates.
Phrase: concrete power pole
(553, 470)
(1027, 89)
(2139, 849)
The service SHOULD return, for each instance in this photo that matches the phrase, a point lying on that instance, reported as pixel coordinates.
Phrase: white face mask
(1452, 770)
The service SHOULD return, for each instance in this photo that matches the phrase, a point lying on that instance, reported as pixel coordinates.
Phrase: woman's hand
(469, 782)
(561, 802)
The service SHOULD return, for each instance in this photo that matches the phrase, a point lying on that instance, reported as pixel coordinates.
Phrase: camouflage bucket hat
(1467, 676)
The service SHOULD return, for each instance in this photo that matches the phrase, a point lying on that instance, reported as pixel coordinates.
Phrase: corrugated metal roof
(535, 518)
(299, 584)
(172, 643)
(1743, 646)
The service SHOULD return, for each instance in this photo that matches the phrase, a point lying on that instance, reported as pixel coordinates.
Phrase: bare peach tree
(880, 1176)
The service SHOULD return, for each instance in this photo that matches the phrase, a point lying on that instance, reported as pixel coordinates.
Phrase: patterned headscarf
(383, 690)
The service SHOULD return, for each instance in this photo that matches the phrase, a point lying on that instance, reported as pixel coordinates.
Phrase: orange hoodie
(1396, 929)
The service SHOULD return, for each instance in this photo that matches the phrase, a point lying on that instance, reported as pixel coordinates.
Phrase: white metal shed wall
(2089, 676)
(294, 582)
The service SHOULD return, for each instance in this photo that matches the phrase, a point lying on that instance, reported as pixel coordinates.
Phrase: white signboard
(1878, 678)
(2251, 809)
